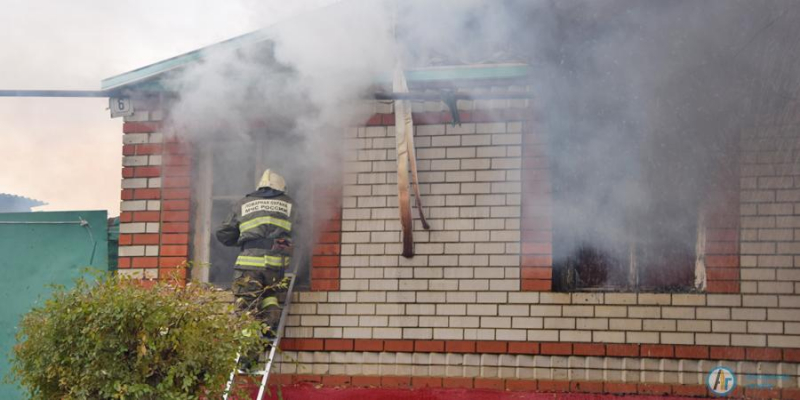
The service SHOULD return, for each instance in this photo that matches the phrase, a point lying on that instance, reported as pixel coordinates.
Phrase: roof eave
(464, 72)
(153, 70)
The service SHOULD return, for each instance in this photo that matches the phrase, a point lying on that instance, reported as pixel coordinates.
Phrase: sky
(66, 151)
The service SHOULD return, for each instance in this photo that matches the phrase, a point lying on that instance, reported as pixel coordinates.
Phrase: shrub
(115, 339)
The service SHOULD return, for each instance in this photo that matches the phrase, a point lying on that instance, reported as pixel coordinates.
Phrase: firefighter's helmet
(272, 180)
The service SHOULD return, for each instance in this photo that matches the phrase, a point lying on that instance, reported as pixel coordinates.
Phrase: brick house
(478, 306)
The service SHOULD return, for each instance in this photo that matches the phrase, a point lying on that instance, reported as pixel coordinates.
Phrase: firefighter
(260, 224)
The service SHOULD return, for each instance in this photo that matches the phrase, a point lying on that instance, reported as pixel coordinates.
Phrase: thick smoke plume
(644, 103)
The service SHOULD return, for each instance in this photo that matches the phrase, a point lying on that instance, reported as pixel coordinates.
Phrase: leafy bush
(115, 339)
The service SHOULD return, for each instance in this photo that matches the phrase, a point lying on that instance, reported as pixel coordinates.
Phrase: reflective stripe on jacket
(254, 224)
(263, 261)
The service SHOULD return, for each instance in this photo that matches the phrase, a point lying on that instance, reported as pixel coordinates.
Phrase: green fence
(39, 249)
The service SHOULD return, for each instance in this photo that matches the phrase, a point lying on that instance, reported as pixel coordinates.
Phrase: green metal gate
(38, 249)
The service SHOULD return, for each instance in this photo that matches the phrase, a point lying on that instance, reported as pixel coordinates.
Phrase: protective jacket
(261, 225)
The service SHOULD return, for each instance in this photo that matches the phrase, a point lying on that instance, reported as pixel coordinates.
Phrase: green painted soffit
(146, 78)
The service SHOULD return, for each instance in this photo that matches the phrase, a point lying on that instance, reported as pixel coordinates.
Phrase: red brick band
(722, 240)
(722, 224)
(327, 216)
(536, 227)
(326, 257)
(694, 352)
(524, 385)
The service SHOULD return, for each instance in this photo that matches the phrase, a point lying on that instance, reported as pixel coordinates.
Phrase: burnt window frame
(566, 280)
(561, 283)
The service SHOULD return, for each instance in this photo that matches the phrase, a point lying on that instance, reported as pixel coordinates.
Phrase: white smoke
(640, 100)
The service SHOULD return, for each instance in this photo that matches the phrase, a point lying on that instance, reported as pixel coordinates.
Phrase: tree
(116, 339)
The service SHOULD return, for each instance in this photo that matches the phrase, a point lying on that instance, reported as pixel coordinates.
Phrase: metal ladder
(272, 350)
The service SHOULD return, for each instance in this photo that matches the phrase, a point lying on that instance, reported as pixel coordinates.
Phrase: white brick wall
(463, 284)
(466, 268)
(370, 214)
(770, 208)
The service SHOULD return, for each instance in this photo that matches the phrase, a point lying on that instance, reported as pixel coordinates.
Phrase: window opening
(626, 215)
(235, 169)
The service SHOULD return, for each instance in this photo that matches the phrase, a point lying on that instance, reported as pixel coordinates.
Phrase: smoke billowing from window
(644, 102)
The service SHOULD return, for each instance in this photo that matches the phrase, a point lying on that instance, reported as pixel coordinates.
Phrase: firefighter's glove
(282, 245)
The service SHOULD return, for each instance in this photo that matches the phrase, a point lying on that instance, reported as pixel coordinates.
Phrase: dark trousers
(259, 292)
